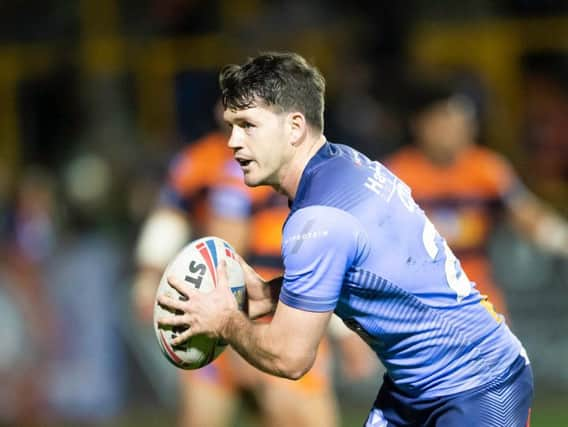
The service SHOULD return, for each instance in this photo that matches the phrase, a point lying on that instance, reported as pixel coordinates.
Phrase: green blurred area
(547, 412)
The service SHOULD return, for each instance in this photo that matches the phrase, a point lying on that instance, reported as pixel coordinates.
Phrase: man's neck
(292, 175)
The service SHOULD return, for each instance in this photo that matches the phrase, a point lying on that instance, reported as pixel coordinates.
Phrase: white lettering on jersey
(380, 183)
(306, 236)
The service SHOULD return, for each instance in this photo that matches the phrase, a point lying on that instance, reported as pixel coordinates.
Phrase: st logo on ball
(197, 263)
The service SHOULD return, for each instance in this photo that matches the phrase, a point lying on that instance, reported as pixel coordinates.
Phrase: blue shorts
(504, 402)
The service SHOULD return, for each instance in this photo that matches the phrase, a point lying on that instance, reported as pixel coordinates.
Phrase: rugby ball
(197, 264)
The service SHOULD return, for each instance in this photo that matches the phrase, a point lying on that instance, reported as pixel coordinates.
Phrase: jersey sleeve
(319, 246)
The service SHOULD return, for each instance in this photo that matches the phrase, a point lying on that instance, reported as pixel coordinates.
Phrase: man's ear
(297, 126)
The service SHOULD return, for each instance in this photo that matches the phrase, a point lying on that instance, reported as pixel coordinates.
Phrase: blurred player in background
(464, 187)
(27, 240)
(205, 195)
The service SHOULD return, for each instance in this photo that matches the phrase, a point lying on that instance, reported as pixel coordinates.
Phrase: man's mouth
(244, 162)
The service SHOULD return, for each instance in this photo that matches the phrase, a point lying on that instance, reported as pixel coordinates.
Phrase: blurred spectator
(33, 219)
(545, 125)
(463, 186)
(28, 239)
(86, 377)
(25, 335)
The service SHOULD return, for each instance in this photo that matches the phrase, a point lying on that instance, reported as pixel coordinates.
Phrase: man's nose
(235, 140)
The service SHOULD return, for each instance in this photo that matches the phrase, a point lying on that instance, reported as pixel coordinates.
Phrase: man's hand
(262, 295)
(201, 313)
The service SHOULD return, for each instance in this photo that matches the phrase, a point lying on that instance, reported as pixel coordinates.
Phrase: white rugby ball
(197, 264)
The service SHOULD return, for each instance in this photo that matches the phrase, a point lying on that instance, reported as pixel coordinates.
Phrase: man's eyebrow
(242, 119)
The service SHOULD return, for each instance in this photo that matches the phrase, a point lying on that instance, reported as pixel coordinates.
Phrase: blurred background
(97, 95)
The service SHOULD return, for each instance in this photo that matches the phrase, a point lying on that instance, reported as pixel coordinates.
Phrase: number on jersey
(456, 278)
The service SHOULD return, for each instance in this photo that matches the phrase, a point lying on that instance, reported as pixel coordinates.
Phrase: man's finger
(182, 287)
(222, 273)
(179, 285)
(171, 303)
(173, 321)
(183, 337)
(243, 263)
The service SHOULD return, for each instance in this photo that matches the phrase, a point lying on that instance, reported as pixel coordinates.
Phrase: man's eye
(247, 125)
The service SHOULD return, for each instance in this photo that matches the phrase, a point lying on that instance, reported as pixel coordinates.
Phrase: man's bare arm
(540, 223)
(286, 346)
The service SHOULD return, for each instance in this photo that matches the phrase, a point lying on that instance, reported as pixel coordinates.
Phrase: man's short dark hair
(285, 81)
(425, 94)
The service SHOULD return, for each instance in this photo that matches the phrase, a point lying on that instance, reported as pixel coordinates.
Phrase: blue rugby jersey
(356, 242)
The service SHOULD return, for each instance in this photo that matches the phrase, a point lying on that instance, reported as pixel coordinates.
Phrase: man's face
(443, 130)
(260, 142)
